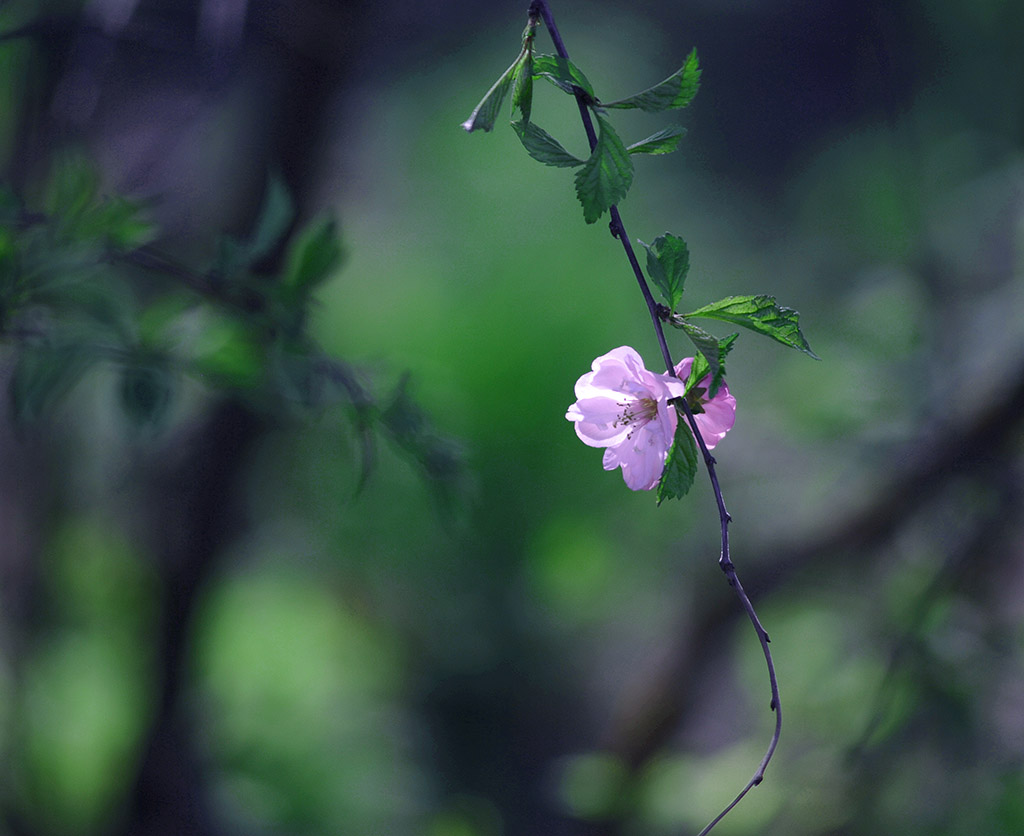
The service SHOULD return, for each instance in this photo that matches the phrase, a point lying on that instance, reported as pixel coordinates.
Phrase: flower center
(638, 412)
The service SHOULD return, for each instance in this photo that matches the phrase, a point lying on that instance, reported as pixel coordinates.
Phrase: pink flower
(625, 408)
(718, 414)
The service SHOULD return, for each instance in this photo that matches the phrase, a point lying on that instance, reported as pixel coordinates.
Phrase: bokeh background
(206, 628)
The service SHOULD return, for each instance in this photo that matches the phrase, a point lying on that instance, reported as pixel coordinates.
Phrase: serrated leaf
(675, 92)
(761, 314)
(680, 464)
(710, 358)
(563, 74)
(522, 88)
(315, 254)
(543, 147)
(663, 142)
(606, 176)
(699, 369)
(483, 115)
(668, 262)
(713, 350)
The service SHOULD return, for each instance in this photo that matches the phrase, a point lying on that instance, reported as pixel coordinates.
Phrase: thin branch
(540, 8)
(957, 450)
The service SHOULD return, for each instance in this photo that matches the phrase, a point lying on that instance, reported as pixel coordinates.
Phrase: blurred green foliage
(552, 654)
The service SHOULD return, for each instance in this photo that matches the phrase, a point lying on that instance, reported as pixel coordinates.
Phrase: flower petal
(599, 421)
(719, 413)
(718, 417)
(641, 457)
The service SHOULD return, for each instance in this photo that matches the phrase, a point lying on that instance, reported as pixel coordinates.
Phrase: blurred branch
(962, 560)
(958, 450)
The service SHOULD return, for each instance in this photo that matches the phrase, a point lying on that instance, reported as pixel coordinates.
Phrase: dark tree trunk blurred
(194, 514)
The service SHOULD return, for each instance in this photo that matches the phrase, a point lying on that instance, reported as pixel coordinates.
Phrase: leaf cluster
(668, 263)
(604, 178)
(82, 288)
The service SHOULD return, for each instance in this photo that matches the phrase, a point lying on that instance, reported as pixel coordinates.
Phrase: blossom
(714, 416)
(625, 408)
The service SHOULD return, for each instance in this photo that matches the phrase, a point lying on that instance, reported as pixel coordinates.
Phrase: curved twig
(540, 9)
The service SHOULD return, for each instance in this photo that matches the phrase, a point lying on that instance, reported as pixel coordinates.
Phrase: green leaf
(313, 257)
(712, 350)
(522, 89)
(606, 177)
(276, 215)
(543, 147)
(668, 262)
(159, 324)
(483, 115)
(442, 460)
(675, 92)
(225, 353)
(663, 142)
(119, 221)
(699, 369)
(72, 187)
(81, 213)
(563, 74)
(760, 314)
(680, 464)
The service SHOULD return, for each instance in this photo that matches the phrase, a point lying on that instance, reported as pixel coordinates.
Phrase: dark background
(206, 630)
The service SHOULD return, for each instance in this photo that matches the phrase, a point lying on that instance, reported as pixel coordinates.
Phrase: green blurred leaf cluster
(78, 297)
